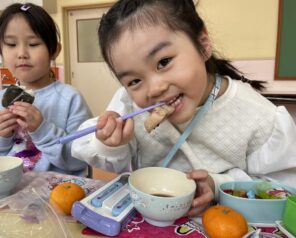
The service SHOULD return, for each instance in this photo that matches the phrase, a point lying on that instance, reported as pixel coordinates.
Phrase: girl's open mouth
(175, 101)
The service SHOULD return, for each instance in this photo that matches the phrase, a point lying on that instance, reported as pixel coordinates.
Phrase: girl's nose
(22, 52)
(157, 86)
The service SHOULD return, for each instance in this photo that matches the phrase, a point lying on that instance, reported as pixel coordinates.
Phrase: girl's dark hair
(38, 19)
(178, 15)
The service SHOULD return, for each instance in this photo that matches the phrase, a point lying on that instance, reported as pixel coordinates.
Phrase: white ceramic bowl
(161, 195)
(11, 170)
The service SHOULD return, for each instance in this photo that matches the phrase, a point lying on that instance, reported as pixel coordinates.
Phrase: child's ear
(206, 44)
(57, 52)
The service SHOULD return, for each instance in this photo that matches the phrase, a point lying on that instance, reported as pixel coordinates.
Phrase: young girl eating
(221, 128)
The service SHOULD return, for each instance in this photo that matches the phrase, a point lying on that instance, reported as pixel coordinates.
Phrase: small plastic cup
(290, 215)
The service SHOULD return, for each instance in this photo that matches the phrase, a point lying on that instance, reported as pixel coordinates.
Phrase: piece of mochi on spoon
(158, 115)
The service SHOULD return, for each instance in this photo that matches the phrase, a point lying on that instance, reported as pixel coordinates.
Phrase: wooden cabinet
(287, 100)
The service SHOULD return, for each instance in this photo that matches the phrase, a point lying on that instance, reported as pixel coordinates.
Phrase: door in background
(89, 73)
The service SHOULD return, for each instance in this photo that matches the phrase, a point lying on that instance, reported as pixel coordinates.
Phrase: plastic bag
(30, 215)
(27, 212)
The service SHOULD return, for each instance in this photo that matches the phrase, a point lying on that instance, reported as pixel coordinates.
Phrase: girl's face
(25, 54)
(156, 64)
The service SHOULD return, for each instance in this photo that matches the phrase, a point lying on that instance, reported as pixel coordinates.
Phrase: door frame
(97, 173)
(66, 45)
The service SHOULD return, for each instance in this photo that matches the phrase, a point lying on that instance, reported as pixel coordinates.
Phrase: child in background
(29, 40)
(160, 51)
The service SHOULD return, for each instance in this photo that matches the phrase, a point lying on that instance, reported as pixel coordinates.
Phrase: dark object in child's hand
(14, 93)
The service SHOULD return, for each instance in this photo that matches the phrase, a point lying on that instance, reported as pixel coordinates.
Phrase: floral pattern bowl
(161, 195)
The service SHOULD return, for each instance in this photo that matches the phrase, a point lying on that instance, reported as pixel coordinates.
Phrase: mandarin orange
(224, 222)
(64, 195)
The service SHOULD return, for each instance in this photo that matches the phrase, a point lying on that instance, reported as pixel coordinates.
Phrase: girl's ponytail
(224, 67)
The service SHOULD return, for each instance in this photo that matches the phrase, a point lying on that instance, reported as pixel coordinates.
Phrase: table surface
(17, 227)
(12, 225)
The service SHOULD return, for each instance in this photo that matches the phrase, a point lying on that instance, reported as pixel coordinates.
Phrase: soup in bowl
(161, 195)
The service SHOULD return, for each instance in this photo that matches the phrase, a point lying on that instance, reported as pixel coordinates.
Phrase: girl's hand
(8, 123)
(204, 191)
(113, 131)
(28, 116)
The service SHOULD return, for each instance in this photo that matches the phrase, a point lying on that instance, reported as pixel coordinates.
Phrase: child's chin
(176, 120)
(182, 117)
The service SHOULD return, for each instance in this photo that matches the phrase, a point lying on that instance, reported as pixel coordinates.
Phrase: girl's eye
(133, 82)
(163, 63)
(9, 44)
(34, 44)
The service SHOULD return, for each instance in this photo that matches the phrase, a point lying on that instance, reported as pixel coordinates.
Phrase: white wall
(243, 31)
(246, 32)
